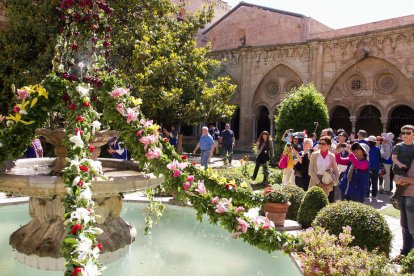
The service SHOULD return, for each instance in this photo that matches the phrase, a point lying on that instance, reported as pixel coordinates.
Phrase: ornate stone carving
(386, 83)
(273, 89)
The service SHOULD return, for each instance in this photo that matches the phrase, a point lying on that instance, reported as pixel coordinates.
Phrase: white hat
(388, 136)
(363, 146)
(372, 138)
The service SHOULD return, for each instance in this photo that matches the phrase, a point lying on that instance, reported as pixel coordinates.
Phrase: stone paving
(381, 202)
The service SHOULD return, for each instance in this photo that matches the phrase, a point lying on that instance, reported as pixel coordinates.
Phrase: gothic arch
(369, 119)
(300, 76)
(339, 117)
(350, 63)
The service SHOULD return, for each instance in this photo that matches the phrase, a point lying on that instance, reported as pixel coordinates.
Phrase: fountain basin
(38, 242)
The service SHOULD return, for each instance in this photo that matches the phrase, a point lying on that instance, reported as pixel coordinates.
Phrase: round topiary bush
(313, 201)
(368, 225)
(295, 195)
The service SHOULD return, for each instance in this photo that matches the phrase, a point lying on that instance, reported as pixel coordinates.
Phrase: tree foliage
(156, 54)
(27, 45)
(301, 108)
(161, 60)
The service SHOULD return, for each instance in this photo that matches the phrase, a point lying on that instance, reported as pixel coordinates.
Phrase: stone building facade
(3, 18)
(365, 72)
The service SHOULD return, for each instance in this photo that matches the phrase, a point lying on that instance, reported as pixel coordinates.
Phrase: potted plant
(276, 204)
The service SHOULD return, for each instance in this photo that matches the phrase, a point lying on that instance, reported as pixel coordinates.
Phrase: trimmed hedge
(295, 194)
(313, 201)
(368, 225)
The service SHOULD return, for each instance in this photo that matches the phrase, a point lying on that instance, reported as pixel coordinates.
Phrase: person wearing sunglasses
(323, 170)
(407, 200)
(402, 156)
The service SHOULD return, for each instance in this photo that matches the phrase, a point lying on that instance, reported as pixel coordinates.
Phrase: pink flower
(118, 92)
(146, 123)
(223, 205)
(120, 108)
(187, 186)
(242, 225)
(139, 133)
(215, 200)
(240, 209)
(173, 165)
(182, 165)
(263, 222)
(22, 94)
(235, 235)
(177, 173)
(201, 188)
(153, 153)
(131, 115)
(146, 140)
(190, 178)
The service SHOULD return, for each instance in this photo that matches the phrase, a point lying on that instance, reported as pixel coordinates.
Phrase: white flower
(77, 140)
(9, 123)
(84, 247)
(83, 91)
(96, 166)
(91, 269)
(1, 144)
(96, 126)
(23, 112)
(81, 214)
(86, 194)
(76, 181)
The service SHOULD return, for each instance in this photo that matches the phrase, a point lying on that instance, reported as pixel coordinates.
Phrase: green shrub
(408, 263)
(313, 201)
(299, 110)
(276, 176)
(368, 225)
(295, 195)
(331, 255)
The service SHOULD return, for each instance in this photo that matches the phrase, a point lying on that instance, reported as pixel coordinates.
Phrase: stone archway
(263, 120)
(400, 116)
(340, 118)
(369, 119)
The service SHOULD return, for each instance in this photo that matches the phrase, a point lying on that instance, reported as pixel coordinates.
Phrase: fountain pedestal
(38, 242)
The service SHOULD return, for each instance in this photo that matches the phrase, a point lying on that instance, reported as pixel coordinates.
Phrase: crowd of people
(360, 166)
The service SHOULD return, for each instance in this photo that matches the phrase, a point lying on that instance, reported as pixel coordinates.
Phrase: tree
(27, 45)
(162, 63)
(301, 108)
(156, 54)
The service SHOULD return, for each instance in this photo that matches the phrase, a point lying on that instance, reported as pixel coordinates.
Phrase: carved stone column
(353, 122)
(384, 122)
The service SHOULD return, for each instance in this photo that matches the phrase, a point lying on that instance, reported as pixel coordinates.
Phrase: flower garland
(80, 77)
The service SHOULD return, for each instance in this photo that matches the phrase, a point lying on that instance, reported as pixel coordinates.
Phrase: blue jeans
(205, 154)
(407, 223)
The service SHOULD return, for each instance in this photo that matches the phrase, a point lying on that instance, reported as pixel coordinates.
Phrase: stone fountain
(37, 243)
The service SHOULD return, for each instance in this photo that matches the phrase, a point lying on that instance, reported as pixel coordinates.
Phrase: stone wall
(3, 18)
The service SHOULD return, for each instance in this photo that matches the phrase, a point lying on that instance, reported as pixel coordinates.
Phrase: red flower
(80, 118)
(76, 270)
(107, 44)
(65, 97)
(80, 183)
(228, 186)
(78, 131)
(72, 106)
(193, 163)
(76, 228)
(16, 109)
(86, 104)
(84, 168)
(91, 148)
(75, 46)
(100, 246)
(184, 157)
(139, 133)
(165, 140)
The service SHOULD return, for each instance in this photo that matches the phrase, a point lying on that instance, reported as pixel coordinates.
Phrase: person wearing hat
(354, 183)
(362, 136)
(386, 158)
(374, 164)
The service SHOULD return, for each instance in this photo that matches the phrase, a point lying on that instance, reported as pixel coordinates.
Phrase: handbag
(283, 161)
(327, 177)
(382, 171)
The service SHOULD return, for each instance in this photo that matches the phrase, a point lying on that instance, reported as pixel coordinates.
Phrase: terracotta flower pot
(276, 212)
